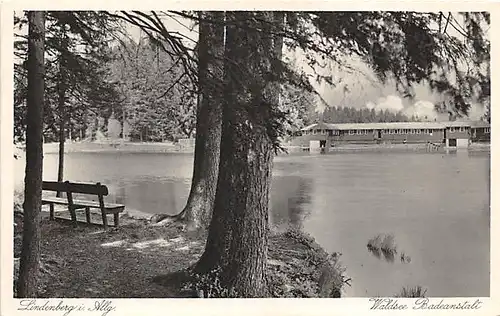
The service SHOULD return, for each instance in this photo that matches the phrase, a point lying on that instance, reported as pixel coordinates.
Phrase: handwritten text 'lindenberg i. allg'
(100, 306)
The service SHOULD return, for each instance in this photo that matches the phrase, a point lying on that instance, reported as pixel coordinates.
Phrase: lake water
(435, 205)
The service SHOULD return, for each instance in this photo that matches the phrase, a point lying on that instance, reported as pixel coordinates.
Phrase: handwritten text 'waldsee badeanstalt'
(423, 303)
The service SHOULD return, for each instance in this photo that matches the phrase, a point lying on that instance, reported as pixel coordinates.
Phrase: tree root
(163, 220)
(170, 220)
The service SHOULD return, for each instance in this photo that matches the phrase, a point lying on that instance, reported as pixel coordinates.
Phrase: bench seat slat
(81, 203)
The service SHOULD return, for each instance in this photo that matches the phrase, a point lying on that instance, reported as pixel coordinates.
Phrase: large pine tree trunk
(30, 253)
(238, 233)
(198, 209)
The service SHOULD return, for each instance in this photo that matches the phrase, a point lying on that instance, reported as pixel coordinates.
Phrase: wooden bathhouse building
(458, 134)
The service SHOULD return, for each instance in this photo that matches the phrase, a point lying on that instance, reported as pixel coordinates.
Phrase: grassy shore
(139, 260)
(394, 148)
(166, 147)
(170, 147)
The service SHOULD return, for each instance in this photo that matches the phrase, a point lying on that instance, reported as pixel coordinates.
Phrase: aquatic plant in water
(385, 245)
(411, 292)
(404, 258)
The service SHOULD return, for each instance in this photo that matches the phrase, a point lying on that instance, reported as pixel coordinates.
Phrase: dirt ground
(134, 260)
(138, 260)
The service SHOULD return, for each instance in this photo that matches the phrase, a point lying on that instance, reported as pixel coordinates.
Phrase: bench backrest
(82, 188)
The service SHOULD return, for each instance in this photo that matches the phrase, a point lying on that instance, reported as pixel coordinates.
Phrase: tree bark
(238, 233)
(199, 205)
(197, 212)
(30, 253)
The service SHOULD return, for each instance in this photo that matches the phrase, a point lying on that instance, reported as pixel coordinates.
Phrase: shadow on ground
(132, 261)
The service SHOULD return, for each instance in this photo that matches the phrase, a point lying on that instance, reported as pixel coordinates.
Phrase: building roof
(308, 127)
(480, 124)
(457, 123)
(391, 125)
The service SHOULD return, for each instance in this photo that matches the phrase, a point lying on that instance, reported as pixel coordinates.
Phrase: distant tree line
(339, 114)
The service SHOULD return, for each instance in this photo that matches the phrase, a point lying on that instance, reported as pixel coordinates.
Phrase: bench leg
(51, 211)
(72, 211)
(87, 214)
(116, 217)
(104, 219)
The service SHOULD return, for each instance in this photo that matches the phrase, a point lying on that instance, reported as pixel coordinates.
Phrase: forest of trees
(157, 101)
(87, 82)
(76, 61)
(135, 79)
(238, 74)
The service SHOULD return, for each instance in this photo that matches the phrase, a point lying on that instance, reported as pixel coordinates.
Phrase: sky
(362, 90)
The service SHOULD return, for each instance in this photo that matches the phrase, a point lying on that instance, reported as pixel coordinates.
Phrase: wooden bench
(71, 188)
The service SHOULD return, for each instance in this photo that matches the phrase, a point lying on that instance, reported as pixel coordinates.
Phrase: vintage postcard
(279, 158)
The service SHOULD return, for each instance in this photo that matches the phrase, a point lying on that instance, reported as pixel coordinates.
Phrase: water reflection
(165, 197)
(291, 199)
(297, 205)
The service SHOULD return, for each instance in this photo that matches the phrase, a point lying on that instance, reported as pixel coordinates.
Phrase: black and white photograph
(179, 153)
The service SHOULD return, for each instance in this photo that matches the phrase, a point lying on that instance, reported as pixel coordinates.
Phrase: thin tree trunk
(198, 209)
(62, 121)
(238, 233)
(61, 91)
(30, 253)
